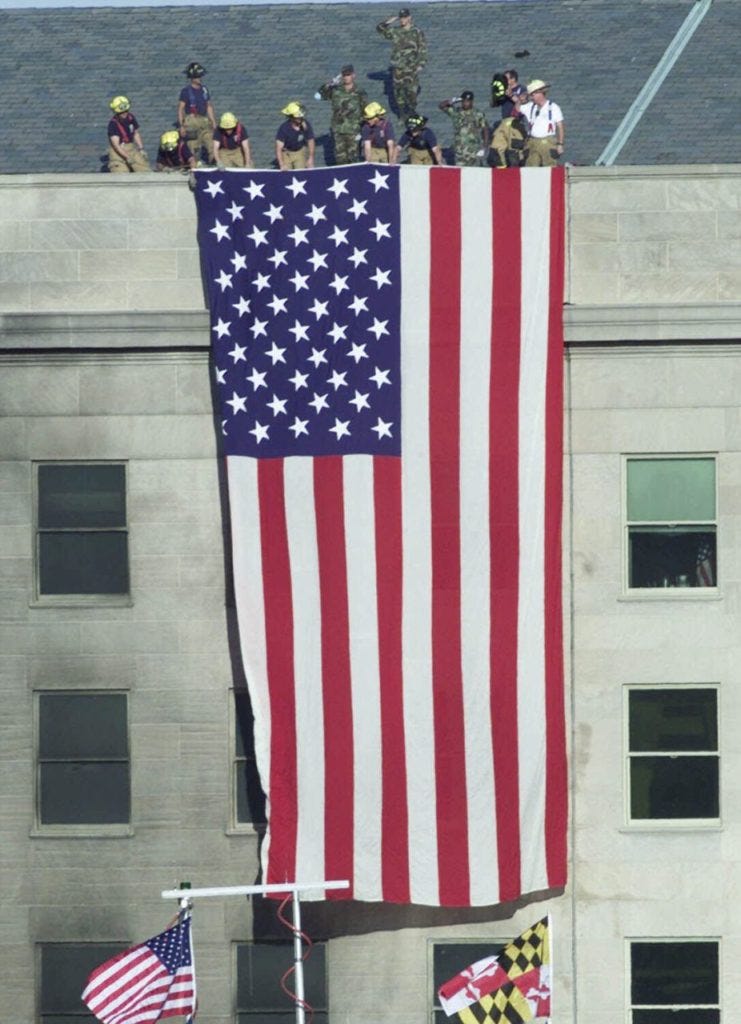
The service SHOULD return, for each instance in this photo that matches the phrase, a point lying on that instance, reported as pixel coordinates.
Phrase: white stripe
(307, 666)
(119, 988)
(417, 569)
(128, 999)
(250, 601)
(531, 609)
(475, 360)
(360, 552)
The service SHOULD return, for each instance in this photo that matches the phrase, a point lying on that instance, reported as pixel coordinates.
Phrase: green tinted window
(671, 490)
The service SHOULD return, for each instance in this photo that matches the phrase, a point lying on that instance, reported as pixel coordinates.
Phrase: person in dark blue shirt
(294, 140)
(125, 146)
(377, 137)
(174, 153)
(196, 117)
(420, 141)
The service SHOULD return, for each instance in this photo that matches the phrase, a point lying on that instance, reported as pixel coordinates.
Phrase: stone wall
(648, 235)
(637, 236)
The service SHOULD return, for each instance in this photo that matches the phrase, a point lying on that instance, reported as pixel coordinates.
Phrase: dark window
(83, 759)
(448, 959)
(260, 966)
(249, 799)
(82, 543)
(673, 760)
(671, 520)
(674, 982)
(64, 967)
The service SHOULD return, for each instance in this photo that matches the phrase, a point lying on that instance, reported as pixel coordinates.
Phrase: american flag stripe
(475, 355)
(556, 808)
(387, 484)
(365, 705)
(504, 537)
(379, 593)
(303, 584)
(335, 667)
(444, 427)
(269, 511)
(419, 725)
(531, 618)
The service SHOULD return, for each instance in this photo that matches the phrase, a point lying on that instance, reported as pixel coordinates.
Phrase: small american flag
(147, 982)
(704, 565)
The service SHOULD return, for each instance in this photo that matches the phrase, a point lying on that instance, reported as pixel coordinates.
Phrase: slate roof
(59, 68)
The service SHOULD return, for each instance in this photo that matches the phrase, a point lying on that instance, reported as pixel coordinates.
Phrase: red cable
(304, 938)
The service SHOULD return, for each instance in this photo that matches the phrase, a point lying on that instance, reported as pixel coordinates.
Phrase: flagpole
(553, 972)
(293, 888)
(298, 961)
(186, 911)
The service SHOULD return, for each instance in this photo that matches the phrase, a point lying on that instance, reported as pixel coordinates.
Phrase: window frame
(288, 1009)
(494, 943)
(80, 830)
(72, 600)
(669, 940)
(671, 593)
(236, 827)
(42, 944)
(670, 824)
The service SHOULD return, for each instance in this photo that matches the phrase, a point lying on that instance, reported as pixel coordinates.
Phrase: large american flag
(148, 982)
(387, 351)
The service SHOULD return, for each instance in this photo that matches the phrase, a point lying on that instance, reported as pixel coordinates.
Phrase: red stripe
(447, 676)
(126, 960)
(394, 814)
(336, 686)
(556, 795)
(276, 573)
(503, 516)
(123, 1000)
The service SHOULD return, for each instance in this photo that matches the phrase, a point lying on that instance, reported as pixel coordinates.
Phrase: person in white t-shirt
(545, 125)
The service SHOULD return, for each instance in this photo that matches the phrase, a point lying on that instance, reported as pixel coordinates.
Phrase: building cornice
(189, 329)
(701, 322)
(176, 329)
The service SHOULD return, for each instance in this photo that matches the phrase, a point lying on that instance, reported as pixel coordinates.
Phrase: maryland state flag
(511, 987)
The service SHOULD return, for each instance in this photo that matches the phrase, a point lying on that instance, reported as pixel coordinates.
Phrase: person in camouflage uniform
(408, 57)
(348, 103)
(470, 128)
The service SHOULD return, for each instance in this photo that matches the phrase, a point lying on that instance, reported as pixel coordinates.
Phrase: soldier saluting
(408, 57)
(348, 103)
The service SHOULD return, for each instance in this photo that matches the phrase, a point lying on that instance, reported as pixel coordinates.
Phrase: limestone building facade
(124, 701)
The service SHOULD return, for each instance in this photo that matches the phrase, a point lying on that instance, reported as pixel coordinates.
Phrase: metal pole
(260, 890)
(253, 890)
(298, 960)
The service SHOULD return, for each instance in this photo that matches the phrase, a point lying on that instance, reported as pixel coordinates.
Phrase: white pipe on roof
(653, 83)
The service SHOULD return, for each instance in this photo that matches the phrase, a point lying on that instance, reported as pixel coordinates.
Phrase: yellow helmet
(119, 104)
(227, 120)
(169, 140)
(373, 110)
(293, 109)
